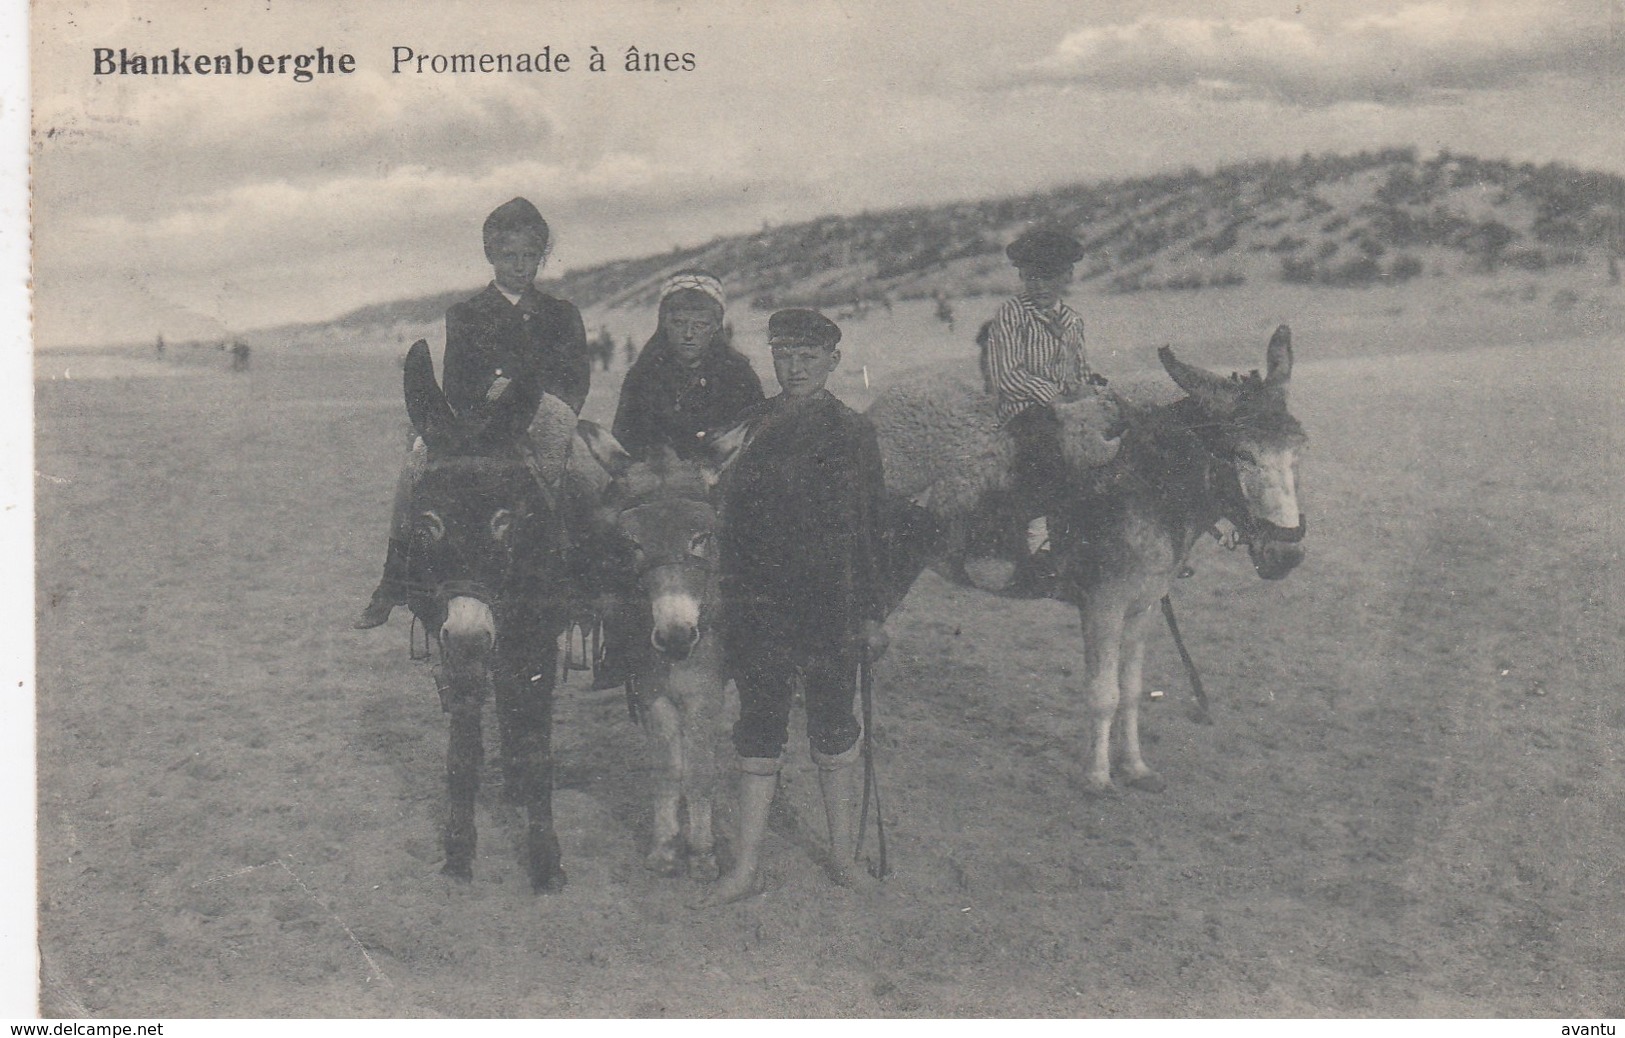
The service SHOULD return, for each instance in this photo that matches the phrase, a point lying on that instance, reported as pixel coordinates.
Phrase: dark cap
(802, 327)
(516, 214)
(1044, 250)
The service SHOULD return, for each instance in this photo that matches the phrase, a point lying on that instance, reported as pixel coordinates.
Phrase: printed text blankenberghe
(176, 62)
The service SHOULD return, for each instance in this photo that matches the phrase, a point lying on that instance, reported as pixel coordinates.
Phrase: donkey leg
(546, 866)
(701, 712)
(664, 726)
(463, 757)
(509, 723)
(1102, 622)
(531, 689)
(1132, 666)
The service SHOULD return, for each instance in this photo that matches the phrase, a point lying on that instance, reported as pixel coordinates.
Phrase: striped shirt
(1034, 355)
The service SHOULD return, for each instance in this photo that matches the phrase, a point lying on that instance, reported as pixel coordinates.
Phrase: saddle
(942, 443)
(943, 447)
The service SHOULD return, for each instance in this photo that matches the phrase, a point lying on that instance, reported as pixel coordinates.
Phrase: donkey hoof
(459, 851)
(663, 861)
(461, 871)
(1150, 782)
(703, 867)
(1099, 787)
(551, 883)
(546, 873)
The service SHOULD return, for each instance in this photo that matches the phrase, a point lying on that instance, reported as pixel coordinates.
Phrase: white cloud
(1411, 53)
(240, 254)
(254, 201)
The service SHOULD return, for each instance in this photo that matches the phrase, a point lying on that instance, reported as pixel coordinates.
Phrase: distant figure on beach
(945, 310)
(158, 347)
(981, 355)
(239, 355)
(604, 347)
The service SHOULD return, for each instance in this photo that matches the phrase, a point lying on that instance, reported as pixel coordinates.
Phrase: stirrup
(1035, 577)
(377, 611)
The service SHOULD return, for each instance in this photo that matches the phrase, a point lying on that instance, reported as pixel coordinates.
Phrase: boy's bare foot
(853, 875)
(735, 886)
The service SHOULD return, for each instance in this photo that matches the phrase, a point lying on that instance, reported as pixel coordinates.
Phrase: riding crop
(1190, 665)
(871, 781)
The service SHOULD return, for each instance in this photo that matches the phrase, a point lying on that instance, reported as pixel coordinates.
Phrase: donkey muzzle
(675, 642)
(469, 632)
(1273, 560)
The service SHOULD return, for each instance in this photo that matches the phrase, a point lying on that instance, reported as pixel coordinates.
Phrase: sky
(204, 205)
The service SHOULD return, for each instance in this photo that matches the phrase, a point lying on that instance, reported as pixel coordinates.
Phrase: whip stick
(1190, 666)
(871, 782)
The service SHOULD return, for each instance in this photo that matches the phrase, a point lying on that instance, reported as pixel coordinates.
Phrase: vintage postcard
(758, 595)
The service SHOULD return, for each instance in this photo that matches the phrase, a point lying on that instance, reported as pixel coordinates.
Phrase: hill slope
(1369, 218)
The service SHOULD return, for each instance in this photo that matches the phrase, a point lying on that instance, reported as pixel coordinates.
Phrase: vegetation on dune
(1370, 218)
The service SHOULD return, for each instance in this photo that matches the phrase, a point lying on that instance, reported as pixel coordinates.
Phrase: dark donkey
(488, 582)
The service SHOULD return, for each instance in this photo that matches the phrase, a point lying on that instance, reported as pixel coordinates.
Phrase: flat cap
(1044, 249)
(801, 327)
(516, 214)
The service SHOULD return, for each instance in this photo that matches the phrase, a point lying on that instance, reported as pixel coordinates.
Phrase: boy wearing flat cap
(802, 588)
(1035, 355)
(509, 332)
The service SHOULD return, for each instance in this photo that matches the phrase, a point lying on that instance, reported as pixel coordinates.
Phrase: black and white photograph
(807, 509)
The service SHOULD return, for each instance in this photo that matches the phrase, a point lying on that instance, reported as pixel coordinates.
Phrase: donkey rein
(1185, 656)
(871, 781)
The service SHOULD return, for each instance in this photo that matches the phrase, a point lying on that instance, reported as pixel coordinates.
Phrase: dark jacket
(801, 550)
(666, 403)
(540, 339)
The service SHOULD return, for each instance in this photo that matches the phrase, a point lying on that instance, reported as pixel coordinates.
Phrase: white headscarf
(690, 281)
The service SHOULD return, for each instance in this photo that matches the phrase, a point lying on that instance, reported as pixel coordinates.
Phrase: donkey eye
(501, 523)
(699, 542)
(431, 525)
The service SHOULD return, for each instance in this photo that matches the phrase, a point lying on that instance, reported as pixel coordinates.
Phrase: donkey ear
(725, 449)
(1279, 357)
(605, 448)
(1217, 395)
(426, 405)
(510, 415)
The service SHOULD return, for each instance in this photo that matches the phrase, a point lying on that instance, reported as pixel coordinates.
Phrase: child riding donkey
(510, 332)
(1034, 356)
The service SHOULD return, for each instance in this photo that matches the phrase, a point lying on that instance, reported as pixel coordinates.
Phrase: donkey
(1228, 450)
(487, 580)
(658, 523)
